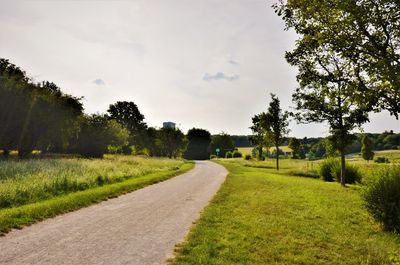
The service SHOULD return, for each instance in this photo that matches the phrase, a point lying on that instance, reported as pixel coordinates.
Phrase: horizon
(210, 61)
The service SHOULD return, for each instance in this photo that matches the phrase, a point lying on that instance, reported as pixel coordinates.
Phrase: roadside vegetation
(262, 216)
(31, 190)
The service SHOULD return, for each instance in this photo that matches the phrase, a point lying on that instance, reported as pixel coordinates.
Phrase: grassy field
(261, 217)
(32, 190)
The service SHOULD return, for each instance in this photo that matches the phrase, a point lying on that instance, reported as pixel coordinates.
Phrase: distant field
(261, 216)
(38, 188)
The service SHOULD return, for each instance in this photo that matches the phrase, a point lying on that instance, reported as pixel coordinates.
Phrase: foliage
(363, 34)
(97, 133)
(237, 154)
(170, 142)
(35, 115)
(330, 170)
(247, 157)
(278, 123)
(223, 142)
(326, 168)
(381, 159)
(213, 157)
(198, 147)
(128, 114)
(295, 145)
(366, 149)
(260, 137)
(228, 154)
(382, 197)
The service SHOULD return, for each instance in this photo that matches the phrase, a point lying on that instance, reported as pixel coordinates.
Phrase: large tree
(277, 126)
(128, 114)
(171, 142)
(363, 33)
(198, 144)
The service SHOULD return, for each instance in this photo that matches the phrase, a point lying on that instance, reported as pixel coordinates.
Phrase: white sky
(206, 64)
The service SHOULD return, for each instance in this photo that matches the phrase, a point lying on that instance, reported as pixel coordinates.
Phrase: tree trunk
(277, 157)
(342, 168)
(260, 153)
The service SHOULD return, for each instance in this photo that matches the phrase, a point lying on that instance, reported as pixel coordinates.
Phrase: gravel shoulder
(141, 227)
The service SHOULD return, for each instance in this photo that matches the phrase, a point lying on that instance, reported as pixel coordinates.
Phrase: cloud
(232, 62)
(220, 76)
(99, 82)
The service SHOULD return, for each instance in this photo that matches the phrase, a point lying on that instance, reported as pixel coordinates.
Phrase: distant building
(169, 124)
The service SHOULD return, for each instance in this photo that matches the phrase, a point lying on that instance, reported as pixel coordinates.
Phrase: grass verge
(18, 217)
(260, 217)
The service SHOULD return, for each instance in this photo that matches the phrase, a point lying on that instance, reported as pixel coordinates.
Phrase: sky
(206, 64)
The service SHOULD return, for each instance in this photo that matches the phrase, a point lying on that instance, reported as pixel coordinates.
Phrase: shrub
(352, 173)
(330, 169)
(237, 154)
(325, 168)
(228, 154)
(213, 157)
(247, 157)
(382, 198)
(381, 159)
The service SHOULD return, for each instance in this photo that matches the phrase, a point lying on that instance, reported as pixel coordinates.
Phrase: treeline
(321, 147)
(40, 117)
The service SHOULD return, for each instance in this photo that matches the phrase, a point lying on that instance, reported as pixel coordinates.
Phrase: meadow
(261, 216)
(31, 190)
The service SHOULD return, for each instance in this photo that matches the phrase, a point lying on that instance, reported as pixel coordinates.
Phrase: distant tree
(171, 142)
(198, 147)
(260, 137)
(277, 125)
(128, 114)
(223, 142)
(295, 145)
(367, 148)
(97, 133)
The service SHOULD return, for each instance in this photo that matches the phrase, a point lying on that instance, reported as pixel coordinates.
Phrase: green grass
(119, 175)
(260, 217)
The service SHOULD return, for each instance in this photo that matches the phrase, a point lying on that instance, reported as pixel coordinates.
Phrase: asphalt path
(141, 227)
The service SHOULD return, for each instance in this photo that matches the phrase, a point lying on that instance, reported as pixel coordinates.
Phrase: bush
(330, 169)
(213, 157)
(228, 154)
(381, 159)
(325, 168)
(382, 198)
(352, 173)
(247, 157)
(237, 154)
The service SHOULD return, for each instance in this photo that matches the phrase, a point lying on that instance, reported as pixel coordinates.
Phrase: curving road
(141, 227)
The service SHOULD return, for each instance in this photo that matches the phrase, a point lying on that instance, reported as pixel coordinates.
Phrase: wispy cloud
(220, 76)
(99, 82)
(232, 62)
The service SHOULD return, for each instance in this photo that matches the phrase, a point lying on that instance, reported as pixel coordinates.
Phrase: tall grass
(25, 182)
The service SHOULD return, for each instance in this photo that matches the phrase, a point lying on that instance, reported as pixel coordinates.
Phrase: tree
(295, 145)
(198, 147)
(260, 137)
(363, 33)
(277, 124)
(128, 114)
(223, 142)
(171, 142)
(366, 149)
(97, 133)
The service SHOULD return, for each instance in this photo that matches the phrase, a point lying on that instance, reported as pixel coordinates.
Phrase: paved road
(141, 227)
